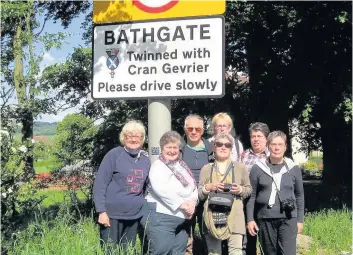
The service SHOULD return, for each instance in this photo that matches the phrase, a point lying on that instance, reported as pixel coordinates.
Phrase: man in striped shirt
(258, 138)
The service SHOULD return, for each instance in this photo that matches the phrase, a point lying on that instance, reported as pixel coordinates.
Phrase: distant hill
(43, 128)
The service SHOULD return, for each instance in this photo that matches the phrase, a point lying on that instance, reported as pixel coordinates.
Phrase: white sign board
(176, 58)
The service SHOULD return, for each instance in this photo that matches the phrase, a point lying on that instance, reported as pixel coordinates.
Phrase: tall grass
(63, 236)
(331, 233)
(330, 230)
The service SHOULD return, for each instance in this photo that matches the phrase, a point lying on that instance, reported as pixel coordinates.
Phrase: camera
(227, 187)
(287, 205)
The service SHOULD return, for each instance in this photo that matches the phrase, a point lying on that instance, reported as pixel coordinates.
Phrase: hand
(104, 219)
(253, 228)
(220, 186)
(236, 189)
(300, 227)
(188, 207)
(211, 187)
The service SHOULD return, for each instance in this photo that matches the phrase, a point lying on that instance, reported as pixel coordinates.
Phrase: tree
(73, 139)
(299, 60)
(19, 72)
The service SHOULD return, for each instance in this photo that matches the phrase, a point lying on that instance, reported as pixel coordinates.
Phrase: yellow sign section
(131, 10)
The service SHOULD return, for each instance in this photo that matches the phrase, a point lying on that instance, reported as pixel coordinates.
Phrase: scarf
(177, 167)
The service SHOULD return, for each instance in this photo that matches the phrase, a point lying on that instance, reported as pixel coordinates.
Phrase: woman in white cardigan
(172, 197)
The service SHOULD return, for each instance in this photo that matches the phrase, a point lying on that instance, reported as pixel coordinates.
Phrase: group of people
(230, 194)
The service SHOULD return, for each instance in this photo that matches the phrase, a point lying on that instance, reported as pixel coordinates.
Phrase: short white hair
(130, 127)
(193, 116)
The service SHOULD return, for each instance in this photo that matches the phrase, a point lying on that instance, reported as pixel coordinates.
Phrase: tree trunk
(25, 113)
(337, 156)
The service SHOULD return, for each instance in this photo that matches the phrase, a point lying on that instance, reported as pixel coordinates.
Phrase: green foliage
(311, 165)
(18, 194)
(73, 139)
(63, 236)
(331, 231)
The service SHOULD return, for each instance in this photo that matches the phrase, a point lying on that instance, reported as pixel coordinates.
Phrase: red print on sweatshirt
(134, 181)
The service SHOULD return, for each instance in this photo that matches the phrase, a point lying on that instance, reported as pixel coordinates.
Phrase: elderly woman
(119, 188)
(222, 123)
(221, 180)
(276, 206)
(172, 197)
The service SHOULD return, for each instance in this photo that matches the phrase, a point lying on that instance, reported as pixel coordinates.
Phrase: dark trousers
(119, 236)
(249, 244)
(166, 234)
(190, 229)
(249, 241)
(278, 236)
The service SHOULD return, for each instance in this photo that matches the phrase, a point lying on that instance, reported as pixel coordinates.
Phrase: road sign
(132, 10)
(177, 58)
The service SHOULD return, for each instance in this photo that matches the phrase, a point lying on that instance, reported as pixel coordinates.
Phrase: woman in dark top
(276, 206)
(118, 190)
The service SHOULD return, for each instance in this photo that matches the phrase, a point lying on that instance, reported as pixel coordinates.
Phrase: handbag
(221, 201)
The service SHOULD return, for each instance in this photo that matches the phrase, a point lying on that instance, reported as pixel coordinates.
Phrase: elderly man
(258, 137)
(196, 153)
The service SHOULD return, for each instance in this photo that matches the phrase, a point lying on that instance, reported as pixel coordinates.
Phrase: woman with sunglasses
(222, 123)
(228, 177)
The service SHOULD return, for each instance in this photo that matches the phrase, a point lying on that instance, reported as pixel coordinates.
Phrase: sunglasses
(197, 129)
(227, 145)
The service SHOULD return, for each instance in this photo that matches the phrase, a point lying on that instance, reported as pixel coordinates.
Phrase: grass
(63, 236)
(57, 197)
(330, 230)
(45, 165)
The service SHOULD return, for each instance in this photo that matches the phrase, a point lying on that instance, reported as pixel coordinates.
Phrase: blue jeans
(166, 234)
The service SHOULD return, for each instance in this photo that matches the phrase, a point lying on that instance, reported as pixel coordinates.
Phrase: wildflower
(23, 148)
(9, 190)
(13, 149)
(33, 141)
(3, 195)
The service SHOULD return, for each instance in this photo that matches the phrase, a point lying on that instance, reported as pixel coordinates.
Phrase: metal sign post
(159, 122)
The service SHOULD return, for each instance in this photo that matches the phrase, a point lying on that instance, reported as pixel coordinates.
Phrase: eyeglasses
(221, 126)
(227, 145)
(197, 129)
(128, 136)
(280, 145)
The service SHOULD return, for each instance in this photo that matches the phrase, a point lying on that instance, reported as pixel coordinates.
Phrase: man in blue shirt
(196, 153)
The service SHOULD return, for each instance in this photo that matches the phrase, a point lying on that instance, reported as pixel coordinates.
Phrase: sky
(74, 40)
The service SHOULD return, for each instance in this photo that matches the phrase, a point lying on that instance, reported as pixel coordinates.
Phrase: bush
(313, 167)
(18, 194)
